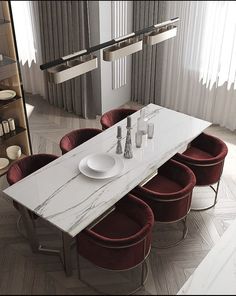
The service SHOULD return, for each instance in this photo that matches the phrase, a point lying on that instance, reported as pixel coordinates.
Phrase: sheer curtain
(26, 24)
(47, 30)
(199, 64)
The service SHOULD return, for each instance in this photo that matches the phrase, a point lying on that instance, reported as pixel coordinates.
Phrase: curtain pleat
(195, 72)
(27, 32)
(146, 64)
(199, 64)
(64, 30)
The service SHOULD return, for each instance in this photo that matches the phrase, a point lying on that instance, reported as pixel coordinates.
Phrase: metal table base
(64, 253)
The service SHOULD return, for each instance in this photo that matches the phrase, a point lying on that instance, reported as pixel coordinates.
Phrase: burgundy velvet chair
(122, 240)
(24, 167)
(205, 157)
(113, 116)
(77, 137)
(169, 195)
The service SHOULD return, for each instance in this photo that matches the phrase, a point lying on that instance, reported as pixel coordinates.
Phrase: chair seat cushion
(122, 239)
(204, 150)
(169, 193)
(162, 184)
(117, 225)
(205, 157)
(196, 153)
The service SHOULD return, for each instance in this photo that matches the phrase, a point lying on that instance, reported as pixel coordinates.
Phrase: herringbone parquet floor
(22, 272)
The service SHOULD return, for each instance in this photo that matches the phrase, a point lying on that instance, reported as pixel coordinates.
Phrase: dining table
(71, 197)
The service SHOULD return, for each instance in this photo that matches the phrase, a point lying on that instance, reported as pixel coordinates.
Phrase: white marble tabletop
(62, 195)
(216, 274)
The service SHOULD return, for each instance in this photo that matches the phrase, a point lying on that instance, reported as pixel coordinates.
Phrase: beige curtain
(199, 64)
(64, 29)
(147, 64)
(26, 26)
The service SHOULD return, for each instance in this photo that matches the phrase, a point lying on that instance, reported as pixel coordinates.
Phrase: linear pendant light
(163, 32)
(78, 63)
(72, 68)
(123, 48)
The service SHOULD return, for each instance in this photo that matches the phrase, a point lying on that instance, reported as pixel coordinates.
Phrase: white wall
(101, 28)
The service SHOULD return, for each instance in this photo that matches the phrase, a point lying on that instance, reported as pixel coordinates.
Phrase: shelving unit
(8, 68)
(10, 78)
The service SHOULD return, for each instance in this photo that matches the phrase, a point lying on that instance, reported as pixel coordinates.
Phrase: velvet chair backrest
(77, 137)
(125, 250)
(211, 145)
(27, 165)
(111, 117)
(208, 170)
(172, 205)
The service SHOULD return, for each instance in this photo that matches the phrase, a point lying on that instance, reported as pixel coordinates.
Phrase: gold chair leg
(215, 199)
(144, 276)
(184, 234)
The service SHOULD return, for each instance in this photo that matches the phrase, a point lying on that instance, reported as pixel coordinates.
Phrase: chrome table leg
(67, 260)
(37, 248)
(30, 229)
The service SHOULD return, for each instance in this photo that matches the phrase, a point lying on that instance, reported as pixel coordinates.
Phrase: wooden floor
(22, 272)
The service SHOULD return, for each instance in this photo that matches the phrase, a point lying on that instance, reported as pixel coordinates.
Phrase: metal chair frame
(144, 270)
(210, 185)
(183, 219)
(176, 243)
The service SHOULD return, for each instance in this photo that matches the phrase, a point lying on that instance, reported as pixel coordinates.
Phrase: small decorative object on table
(128, 144)
(150, 130)
(138, 139)
(119, 137)
(142, 123)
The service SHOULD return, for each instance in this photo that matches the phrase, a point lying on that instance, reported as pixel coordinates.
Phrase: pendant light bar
(118, 39)
(90, 50)
(76, 54)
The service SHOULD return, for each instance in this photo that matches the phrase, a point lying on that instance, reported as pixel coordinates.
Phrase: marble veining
(71, 201)
(216, 274)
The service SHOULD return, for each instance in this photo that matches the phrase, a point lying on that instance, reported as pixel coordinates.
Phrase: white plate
(4, 162)
(7, 94)
(101, 162)
(116, 170)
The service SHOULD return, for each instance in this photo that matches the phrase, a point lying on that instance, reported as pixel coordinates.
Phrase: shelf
(6, 61)
(4, 22)
(10, 79)
(8, 68)
(3, 171)
(5, 104)
(13, 134)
